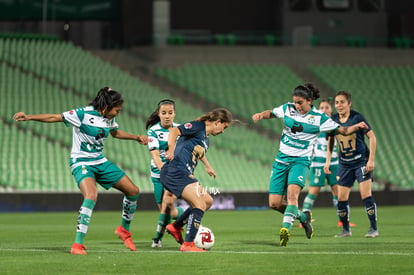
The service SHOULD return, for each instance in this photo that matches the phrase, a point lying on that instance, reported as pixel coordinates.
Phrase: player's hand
(210, 171)
(258, 116)
(20, 116)
(169, 154)
(143, 140)
(326, 170)
(369, 167)
(362, 125)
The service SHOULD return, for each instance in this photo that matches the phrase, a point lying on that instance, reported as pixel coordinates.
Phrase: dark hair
(106, 99)
(154, 118)
(221, 114)
(346, 94)
(327, 100)
(308, 91)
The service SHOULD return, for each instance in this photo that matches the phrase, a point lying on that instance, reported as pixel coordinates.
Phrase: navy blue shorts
(347, 176)
(175, 179)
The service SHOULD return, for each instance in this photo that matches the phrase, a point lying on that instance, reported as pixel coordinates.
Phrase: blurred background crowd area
(244, 55)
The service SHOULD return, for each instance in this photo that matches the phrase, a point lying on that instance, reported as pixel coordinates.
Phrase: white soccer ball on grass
(204, 238)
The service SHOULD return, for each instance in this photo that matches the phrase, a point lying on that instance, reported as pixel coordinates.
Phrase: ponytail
(106, 99)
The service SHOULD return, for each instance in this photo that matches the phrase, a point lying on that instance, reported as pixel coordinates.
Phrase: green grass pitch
(246, 243)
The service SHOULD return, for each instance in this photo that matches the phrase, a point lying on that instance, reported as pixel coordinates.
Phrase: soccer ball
(204, 238)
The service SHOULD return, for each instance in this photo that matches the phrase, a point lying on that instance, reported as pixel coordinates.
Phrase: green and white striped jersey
(319, 152)
(90, 129)
(158, 140)
(301, 130)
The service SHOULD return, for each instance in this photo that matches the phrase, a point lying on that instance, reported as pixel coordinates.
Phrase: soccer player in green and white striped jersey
(158, 125)
(317, 174)
(91, 126)
(302, 125)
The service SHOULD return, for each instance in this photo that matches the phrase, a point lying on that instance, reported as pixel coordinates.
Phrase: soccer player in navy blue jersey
(177, 174)
(356, 163)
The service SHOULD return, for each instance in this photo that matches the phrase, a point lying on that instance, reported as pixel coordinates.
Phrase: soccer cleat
(78, 249)
(126, 236)
(175, 232)
(344, 233)
(284, 236)
(156, 243)
(190, 247)
(307, 225)
(340, 224)
(372, 233)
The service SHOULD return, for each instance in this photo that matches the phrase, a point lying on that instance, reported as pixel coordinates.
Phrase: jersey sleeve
(153, 143)
(192, 128)
(328, 124)
(73, 117)
(114, 125)
(361, 118)
(278, 112)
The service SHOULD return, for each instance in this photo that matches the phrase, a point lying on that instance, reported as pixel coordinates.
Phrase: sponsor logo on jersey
(188, 126)
(297, 128)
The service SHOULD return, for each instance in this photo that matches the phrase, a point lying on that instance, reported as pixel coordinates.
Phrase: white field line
(284, 252)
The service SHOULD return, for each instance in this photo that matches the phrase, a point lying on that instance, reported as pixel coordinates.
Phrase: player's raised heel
(307, 224)
(126, 236)
(175, 232)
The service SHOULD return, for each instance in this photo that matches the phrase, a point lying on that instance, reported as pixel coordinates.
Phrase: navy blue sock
(194, 222)
(371, 208)
(343, 213)
(183, 218)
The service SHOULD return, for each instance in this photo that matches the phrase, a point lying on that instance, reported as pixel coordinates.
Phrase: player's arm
(210, 171)
(346, 131)
(172, 139)
(48, 118)
(329, 149)
(155, 154)
(124, 135)
(263, 115)
(372, 149)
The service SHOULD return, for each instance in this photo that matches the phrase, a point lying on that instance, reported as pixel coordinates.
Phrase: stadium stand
(378, 79)
(52, 76)
(244, 88)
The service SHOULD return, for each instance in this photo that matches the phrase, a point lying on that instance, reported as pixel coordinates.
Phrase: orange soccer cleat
(350, 224)
(126, 236)
(190, 247)
(78, 249)
(175, 232)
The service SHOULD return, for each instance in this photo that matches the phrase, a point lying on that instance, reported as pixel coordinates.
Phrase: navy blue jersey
(353, 151)
(191, 146)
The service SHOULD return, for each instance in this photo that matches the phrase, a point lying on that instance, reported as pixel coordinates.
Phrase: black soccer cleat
(307, 225)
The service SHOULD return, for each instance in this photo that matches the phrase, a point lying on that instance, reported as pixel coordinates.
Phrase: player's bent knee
(209, 202)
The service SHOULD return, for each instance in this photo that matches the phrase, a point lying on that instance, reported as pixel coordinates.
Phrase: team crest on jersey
(311, 120)
(188, 126)
(71, 112)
